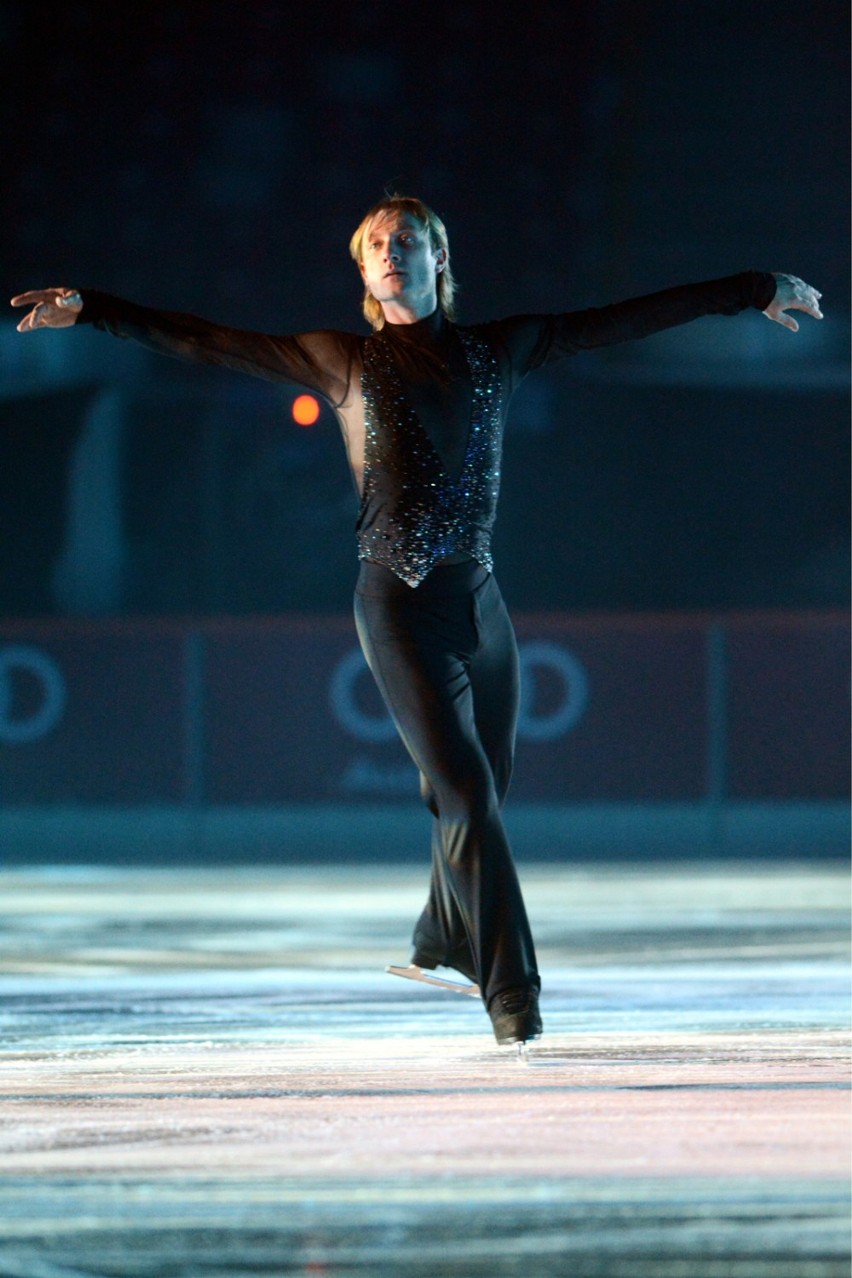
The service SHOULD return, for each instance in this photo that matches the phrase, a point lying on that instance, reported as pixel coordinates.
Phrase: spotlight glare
(306, 410)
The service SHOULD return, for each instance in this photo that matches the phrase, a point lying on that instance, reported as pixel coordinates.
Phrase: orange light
(306, 410)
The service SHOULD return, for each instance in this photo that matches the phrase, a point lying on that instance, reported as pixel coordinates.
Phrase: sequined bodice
(413, 511)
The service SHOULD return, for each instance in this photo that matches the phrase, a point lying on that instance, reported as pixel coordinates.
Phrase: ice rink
(206, 1073)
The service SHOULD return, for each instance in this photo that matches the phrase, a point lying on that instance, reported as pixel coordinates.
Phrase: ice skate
(516, 1019)
(414, 973)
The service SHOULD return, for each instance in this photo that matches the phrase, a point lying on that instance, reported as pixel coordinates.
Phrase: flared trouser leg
(440, 937)
(447, 668)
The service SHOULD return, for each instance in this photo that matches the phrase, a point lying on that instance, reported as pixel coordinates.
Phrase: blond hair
(428, 218)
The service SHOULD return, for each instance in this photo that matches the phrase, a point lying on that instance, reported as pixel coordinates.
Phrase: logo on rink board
(24, 664)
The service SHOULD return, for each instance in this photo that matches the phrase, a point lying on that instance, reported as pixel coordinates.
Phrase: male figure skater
(421, 403)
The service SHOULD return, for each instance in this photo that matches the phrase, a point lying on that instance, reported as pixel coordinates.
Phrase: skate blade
(517, 1051)
(415, 973)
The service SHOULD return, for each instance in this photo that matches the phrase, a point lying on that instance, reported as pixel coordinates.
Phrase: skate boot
(515, 1016)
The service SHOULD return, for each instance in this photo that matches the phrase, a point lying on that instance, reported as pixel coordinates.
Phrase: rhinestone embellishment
(413, 513)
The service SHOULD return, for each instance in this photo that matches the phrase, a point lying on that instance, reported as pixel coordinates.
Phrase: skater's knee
(502, 779)
(469, 799)
(427, 794)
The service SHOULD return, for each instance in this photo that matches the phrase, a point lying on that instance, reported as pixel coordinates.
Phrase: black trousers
(445, 660)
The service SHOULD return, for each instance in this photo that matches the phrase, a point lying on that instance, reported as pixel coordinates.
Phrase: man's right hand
(51, 308)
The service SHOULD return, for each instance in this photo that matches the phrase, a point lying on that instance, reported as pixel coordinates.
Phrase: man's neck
(408, 313)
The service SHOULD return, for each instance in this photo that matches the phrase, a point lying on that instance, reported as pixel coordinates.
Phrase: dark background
(215, 157)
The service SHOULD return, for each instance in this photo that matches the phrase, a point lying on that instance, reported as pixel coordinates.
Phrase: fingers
(806, 298)
(61, 296)
(39, 317)
(51, 308)
(31, 321)
(27, 299)
(803, 304)
(779, 315)
(793, 294)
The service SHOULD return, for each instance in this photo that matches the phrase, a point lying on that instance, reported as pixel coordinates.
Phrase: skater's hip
(376, 581)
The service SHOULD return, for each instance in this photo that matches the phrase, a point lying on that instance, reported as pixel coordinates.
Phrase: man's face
(399, 265)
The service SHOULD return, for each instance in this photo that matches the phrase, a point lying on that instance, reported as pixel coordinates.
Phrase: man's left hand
(792, 294)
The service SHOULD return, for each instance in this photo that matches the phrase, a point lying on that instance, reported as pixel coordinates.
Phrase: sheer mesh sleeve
(319, 360)
(534, 340)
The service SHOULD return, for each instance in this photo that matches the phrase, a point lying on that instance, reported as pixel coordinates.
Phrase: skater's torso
(422, 406)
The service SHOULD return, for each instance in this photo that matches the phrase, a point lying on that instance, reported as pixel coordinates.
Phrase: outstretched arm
(537, 340)
(320, 360)
(792, 294)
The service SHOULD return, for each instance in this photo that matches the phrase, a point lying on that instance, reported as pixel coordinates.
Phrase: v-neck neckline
(452, 477)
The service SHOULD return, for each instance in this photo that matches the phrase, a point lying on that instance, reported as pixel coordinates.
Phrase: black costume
(422, 408)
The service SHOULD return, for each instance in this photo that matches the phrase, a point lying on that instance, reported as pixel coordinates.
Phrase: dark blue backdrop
(216, 157)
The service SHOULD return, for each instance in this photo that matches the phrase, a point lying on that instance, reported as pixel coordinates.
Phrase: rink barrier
(673, 708)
